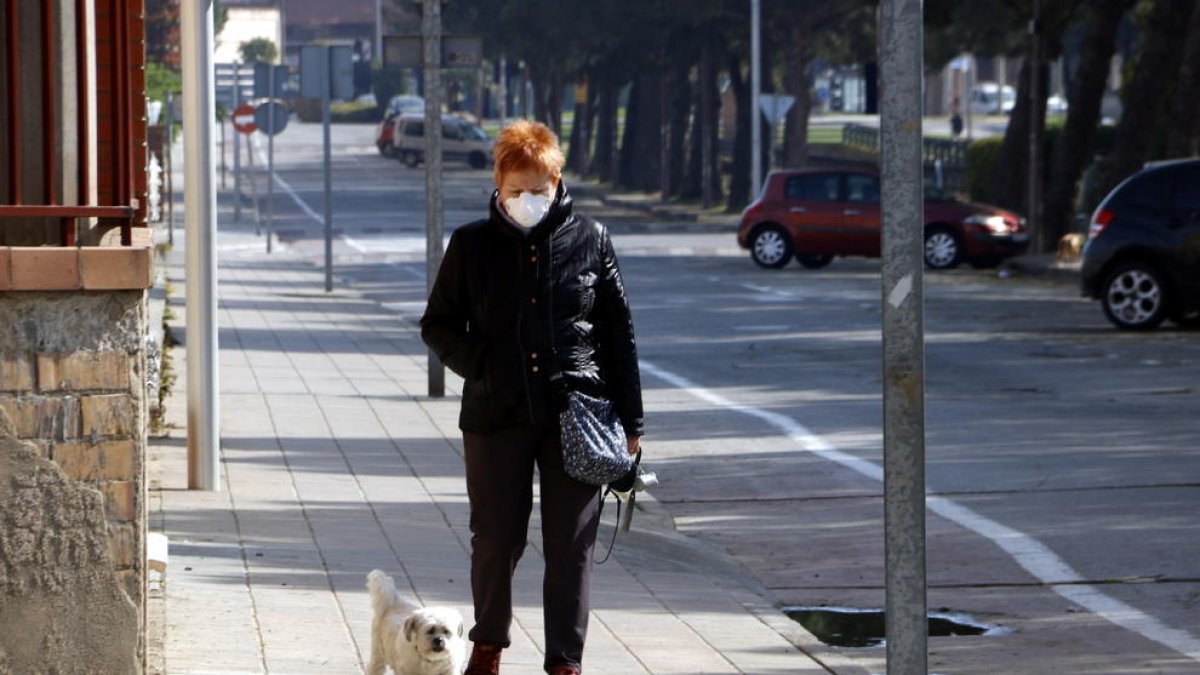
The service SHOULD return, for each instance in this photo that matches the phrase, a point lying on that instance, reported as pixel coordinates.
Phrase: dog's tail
(383, 592)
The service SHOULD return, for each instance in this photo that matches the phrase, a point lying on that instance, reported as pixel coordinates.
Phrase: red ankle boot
(485, 659)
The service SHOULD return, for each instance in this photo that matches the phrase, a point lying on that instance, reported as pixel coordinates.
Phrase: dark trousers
(500, 488)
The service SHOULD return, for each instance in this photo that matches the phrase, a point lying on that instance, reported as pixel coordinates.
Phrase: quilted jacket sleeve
(618, 349)
(445, 324)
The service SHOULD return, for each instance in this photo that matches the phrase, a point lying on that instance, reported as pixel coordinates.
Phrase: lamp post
(200, 208)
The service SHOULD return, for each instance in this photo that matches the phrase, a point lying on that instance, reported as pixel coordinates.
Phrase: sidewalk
(334, 463)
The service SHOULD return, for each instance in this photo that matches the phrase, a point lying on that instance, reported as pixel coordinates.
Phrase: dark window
(862, 189)
(414, 129)
(813, 187)
(451, 132)
(1187, 190)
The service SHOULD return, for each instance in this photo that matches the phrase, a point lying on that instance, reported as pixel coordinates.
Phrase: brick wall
(72, 377)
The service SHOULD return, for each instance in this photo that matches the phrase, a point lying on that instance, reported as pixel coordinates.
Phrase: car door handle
(851, 212)
(798, 209)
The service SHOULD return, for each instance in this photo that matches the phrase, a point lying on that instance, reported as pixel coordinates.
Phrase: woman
(529, 303)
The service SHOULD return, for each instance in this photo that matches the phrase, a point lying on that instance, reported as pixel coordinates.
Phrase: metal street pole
(503, 95)
(1036, 101)
(431, 28)
(755, 90)
(900, 58)
(326, 75)
(200, 209)
(169, 159)
(237, 145)
(270, 154)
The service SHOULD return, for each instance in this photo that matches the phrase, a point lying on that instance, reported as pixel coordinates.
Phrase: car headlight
(994, 224)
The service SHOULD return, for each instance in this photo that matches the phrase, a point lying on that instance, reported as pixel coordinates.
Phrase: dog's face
(435, 632)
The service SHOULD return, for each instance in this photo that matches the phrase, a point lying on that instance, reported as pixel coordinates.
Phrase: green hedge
(386, 83)
(309, 110)
(983, 156)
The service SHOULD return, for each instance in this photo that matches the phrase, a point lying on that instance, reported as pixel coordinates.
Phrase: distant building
(246, 20)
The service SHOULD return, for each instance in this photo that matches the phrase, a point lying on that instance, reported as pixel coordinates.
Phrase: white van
(989, 98)
(461, 140)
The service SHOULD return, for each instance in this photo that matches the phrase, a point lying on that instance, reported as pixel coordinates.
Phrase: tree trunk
(579, 151)
(1072, 151)
(606, 130)
(739, 184)
(554, 98)
(1009, 185)
(680, 113)
(537, 80)
(1144, 103)
(576, 153)
(796, 83)
(641, 147)
(1183, 133)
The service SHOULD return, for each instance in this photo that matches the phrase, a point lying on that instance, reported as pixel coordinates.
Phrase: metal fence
(945, 161)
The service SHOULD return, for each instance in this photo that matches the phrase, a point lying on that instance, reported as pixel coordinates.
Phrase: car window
(1187, 189)
(451, 132)
(862, 189)
(414, 129)
(475, 133)
(812, 187)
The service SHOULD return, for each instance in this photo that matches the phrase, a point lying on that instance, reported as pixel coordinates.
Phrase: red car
(816, 214)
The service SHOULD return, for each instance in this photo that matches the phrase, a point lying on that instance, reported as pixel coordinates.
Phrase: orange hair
(524, 146)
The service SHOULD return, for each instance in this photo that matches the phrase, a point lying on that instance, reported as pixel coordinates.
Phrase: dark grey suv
(1142, 258)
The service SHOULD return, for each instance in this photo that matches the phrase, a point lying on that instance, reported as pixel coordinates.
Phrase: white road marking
(759, 329)
(1029, 553)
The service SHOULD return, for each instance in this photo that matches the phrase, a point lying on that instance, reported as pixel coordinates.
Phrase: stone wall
(73, 388)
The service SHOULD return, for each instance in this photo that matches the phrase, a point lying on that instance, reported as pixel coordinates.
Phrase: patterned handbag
(594, 447)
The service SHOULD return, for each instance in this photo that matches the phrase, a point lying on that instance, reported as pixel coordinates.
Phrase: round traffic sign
(263, 118)
(243, 118)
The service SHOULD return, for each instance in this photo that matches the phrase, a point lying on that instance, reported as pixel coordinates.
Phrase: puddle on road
(858, 628)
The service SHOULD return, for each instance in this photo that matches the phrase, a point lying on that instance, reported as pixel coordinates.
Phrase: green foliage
(159, 80)
(258, 50)
(386, 83)
(983, 156)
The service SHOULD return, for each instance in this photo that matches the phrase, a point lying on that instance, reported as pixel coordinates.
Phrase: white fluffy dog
(413, 640)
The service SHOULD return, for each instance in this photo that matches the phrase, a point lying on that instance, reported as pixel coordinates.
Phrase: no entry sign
(243, 118)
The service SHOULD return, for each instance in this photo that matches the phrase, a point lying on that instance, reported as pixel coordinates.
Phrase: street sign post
(431, 30)
(327, 73)
(243, 119)
(271, 117)
(903, 287)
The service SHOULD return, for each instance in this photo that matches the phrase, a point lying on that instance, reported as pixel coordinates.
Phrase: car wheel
(410, 159)
(771, 247)
(943, 249)
(477, 160)
(1134, 297)
(814, 261)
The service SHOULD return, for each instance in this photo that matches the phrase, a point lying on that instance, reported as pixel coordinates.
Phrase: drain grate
(859, 628)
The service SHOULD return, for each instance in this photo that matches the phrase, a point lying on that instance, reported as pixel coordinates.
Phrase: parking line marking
(1029, 553)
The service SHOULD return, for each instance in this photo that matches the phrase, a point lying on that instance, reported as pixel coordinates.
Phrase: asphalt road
(1063, 457)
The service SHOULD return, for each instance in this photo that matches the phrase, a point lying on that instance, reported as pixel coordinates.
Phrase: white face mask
(527, 209)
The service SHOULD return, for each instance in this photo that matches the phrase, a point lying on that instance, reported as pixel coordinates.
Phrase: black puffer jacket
(511, 308)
